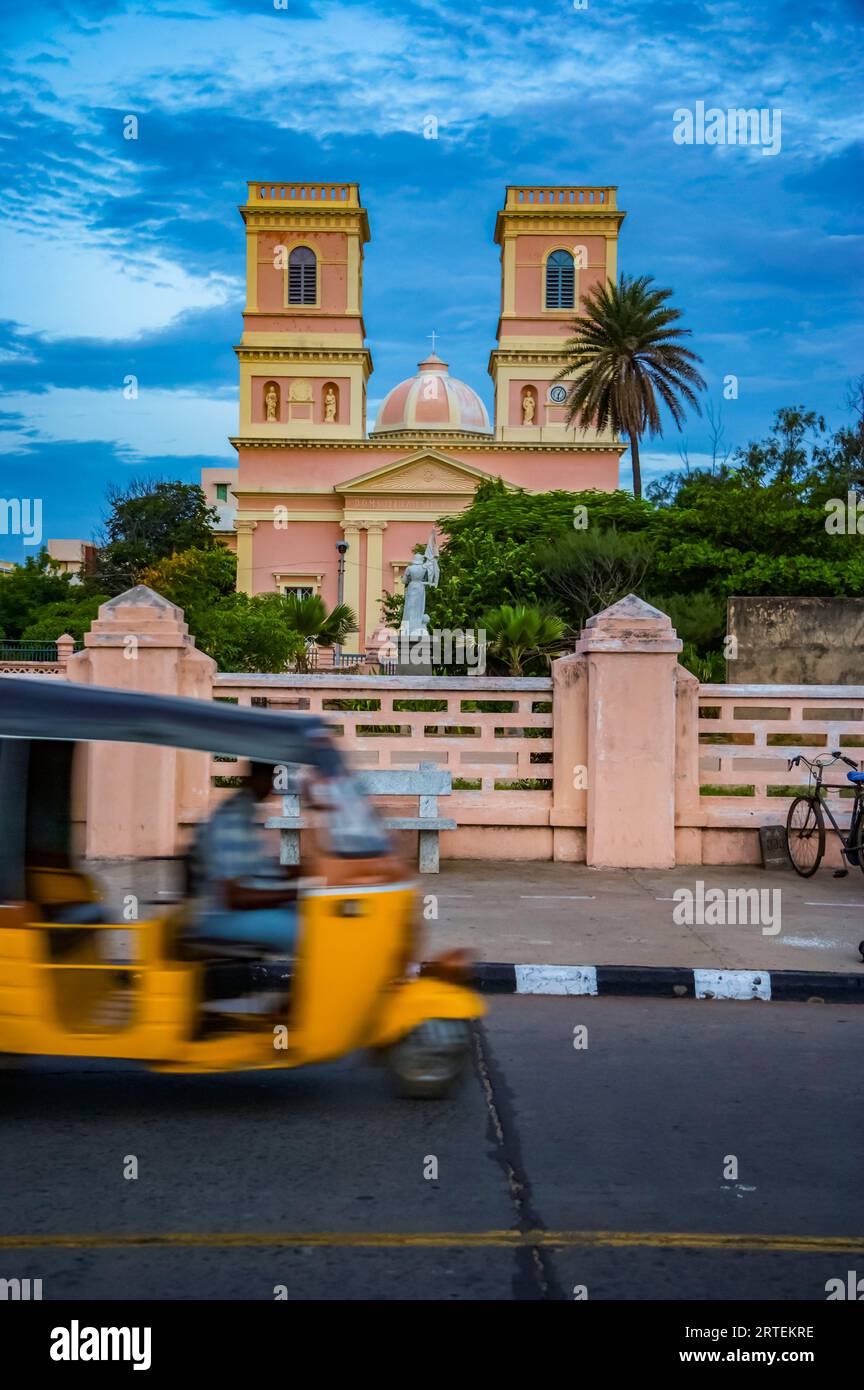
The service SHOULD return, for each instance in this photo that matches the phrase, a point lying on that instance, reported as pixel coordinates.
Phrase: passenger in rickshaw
(243, 897)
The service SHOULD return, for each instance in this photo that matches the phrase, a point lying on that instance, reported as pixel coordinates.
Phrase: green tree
(490, 554)
(72, 615)
(196, 580)
(624, 354)
(244, 633)
(147, 522)
(30, 589)
(309, 618)
(518, 635)
(592, 569)
(263, 632)
(698, 618)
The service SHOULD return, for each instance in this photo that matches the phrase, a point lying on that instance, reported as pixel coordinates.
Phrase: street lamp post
(342, 548)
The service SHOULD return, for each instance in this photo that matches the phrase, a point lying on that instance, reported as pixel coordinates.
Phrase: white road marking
(812, 942)
(556, 979)
(732, 984)
(850, 902)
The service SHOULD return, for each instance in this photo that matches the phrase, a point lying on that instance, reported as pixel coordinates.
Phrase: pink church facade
(310, 475)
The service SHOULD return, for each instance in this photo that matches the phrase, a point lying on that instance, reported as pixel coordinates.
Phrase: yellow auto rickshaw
(352, 985)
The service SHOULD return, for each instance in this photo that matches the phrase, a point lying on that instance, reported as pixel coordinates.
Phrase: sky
(125, 257)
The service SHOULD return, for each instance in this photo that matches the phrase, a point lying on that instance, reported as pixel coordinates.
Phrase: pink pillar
(65, 648)
(631, 652)
(570, 758)
(135, 794)
(688, 802)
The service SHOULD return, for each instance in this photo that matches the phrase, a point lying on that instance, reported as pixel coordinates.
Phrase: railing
(28, 651)
(493, 734)
(748, 733)
(18, 658)
(348, 194)
(544, 196)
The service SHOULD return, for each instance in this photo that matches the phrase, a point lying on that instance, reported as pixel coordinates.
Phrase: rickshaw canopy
(39, 707)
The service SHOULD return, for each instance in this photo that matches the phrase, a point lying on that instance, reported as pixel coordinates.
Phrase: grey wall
(796, 641)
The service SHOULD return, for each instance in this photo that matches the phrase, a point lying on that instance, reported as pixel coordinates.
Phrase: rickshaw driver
(231, 853)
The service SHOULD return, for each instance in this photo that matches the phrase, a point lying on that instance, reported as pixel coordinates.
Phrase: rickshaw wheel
(429, 1062)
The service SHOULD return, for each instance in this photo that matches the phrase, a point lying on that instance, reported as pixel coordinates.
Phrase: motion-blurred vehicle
(350, 984)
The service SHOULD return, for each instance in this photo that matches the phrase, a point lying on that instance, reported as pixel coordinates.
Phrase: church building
(310, 475)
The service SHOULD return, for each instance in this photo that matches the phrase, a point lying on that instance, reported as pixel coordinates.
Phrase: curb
(667, 982)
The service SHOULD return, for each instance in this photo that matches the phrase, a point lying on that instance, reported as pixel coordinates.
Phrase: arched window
(302, 275)
(560, 281)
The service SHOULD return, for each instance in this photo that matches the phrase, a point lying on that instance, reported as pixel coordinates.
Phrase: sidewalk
(567, 914)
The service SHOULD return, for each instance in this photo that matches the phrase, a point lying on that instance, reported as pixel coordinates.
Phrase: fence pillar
(631, 652)
(65, 648)
(136, 796)
(688, 802)
(570, 757)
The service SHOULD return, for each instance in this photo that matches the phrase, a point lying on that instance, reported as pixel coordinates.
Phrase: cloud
(127, 256)
(176, 423)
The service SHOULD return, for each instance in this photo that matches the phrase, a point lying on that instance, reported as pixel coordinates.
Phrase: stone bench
(427, 783)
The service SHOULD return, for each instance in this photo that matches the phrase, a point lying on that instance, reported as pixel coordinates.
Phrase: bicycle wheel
(855, 842)
(805, 835)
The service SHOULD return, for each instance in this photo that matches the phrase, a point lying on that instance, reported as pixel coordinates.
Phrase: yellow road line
(670, 1240)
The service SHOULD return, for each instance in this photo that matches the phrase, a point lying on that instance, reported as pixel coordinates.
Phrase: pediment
(425, 471)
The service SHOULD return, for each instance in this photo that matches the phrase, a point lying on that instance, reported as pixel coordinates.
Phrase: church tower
(555, 244)
(303, 362)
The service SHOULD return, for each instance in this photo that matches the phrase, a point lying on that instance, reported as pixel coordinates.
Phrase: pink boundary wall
(621, 759)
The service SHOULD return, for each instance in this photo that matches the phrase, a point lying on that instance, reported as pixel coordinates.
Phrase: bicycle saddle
(855, 776)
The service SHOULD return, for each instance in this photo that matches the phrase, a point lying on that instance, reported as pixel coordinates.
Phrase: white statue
(423, 571)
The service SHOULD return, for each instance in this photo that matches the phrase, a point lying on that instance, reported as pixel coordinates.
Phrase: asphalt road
(544, 1147)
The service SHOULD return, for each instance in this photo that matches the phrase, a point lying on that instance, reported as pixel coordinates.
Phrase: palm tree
(517, 634)
(625, 353)
(309, 617)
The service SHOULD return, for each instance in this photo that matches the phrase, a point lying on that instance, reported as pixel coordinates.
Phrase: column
(244, 528)
(251, 271)
(352, 289)
(631, 651)
(351, 593)
(570, 758)
(138, 797)
(374, 577)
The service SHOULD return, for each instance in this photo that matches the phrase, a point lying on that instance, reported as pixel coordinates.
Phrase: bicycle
(805, 823)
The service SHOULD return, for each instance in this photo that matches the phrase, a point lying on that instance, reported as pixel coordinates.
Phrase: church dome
(432, 400)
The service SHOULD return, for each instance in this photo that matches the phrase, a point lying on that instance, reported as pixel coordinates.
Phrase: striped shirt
(232, 844)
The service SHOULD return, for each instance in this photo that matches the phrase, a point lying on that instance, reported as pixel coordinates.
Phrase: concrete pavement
(567, 914)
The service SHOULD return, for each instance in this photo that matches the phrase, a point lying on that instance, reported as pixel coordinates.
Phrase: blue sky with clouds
(122, 257)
